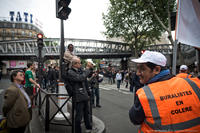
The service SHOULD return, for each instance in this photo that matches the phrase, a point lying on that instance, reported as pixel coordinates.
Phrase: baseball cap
(183, 67)
(90, 60)
(153, 57)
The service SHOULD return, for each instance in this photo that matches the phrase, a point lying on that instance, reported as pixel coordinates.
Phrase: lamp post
(62, 12)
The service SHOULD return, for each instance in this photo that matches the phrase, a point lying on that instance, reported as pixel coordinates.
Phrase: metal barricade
(44, 101)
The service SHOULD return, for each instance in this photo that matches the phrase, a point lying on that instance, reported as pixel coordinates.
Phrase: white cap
(153, 57)
(183, 67)
(90, 60)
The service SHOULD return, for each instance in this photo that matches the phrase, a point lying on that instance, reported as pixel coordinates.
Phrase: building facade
(17, 30)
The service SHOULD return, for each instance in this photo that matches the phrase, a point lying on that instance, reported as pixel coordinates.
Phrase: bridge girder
(26, 49)
(84, 48)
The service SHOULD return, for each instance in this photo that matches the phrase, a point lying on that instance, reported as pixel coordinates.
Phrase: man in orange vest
(183, 72)
(166, 103)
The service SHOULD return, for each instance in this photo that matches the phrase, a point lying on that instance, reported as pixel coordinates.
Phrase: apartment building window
(5, 25)
(4, 31)
(12, 38)
(9, 25)
(12, 33)
(13, 25)
(23, 33)
(17, 26)
(30, 34)
(29, 27)
(1, 25)
(23, 26)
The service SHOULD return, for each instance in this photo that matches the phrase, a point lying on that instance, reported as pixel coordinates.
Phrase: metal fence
(48, 108)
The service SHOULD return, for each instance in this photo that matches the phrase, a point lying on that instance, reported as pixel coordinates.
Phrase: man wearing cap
(183, 72)
(165, 103)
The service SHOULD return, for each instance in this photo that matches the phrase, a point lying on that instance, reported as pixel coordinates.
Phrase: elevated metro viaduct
(84, 48)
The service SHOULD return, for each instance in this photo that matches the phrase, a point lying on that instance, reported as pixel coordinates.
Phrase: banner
(21, 64)
(188, 22)
(12, 64)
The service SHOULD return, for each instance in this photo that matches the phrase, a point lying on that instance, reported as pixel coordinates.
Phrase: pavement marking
(105, 89)
(114, 87)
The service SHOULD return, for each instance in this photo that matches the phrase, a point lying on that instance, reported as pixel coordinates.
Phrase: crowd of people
(161, 100)
(130, 79)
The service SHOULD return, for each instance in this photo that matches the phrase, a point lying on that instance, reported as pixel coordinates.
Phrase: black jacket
(77, 80)
(55, 75)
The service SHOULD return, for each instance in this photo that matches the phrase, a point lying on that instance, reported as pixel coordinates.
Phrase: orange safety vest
(183, 75)
(171, 106)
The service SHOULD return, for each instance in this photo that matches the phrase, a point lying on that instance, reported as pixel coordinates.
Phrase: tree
(131, 21)
(162, 11)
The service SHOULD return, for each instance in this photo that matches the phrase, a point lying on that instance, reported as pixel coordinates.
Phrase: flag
(188, 22)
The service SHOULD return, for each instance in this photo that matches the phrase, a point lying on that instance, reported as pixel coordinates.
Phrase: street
(115, 108)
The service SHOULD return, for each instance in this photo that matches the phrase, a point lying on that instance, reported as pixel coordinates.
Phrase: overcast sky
(85, 20)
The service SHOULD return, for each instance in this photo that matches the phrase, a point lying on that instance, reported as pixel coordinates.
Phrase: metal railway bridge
(26, 49)
(84, 48)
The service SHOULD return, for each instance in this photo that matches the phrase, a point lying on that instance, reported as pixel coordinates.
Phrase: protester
(166, 103)
(94, 81)
(68, 55)
(122, 73)
(126, 79)
(118, 78)
(30, 81)
(34, 87)
(55, 79)
(183, 72)
(17, 104)
(113, 75)
(136, 83)
(24, 81)
(50, 78)
(77, 80)
(131, 74)
(44, 80)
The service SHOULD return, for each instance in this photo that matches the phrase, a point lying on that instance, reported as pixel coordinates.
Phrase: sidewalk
(114, 85)
(37, 124)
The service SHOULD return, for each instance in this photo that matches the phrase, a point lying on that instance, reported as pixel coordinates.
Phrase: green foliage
(83, 62)
(134, 22)
(96, 61)
(162, 11)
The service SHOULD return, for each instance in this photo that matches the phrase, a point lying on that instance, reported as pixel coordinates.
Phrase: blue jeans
(96, 94)
(118, 84)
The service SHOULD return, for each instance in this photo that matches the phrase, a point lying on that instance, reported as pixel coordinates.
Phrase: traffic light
(40, 40)
(62, 9)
